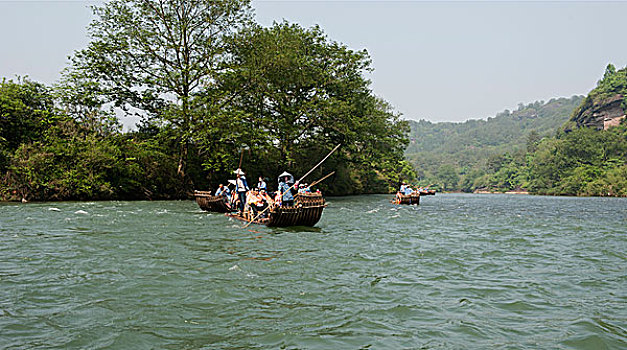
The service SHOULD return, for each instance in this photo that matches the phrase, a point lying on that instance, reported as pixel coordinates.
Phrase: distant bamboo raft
(410, 199)
(427, 192)
(307, 211)
(208, 202)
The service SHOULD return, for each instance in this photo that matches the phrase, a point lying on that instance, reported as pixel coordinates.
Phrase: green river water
(457, 272)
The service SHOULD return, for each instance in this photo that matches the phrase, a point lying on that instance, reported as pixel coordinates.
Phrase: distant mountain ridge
(465, 144)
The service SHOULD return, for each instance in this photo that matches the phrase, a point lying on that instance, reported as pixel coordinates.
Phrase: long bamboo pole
(299, 180)
(319, 181)
(241, 157)
(317, 165)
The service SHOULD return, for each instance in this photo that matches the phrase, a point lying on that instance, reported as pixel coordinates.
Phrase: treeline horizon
(210, 85)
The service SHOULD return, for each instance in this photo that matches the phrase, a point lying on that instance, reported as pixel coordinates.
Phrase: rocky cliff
(606, 105)
(602, 114)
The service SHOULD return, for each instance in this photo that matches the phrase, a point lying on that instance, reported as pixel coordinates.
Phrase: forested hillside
(575, 146)
(444, 152)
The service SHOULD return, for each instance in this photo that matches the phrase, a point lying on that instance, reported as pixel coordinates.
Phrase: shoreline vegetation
(225, 91)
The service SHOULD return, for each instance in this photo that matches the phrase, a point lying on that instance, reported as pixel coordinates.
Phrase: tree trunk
(182, 159)
(186, 125)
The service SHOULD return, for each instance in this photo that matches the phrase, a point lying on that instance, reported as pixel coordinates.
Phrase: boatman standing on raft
(287, 199)
(241, 187)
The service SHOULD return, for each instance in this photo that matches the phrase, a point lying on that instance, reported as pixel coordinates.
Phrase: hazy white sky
(441, 61)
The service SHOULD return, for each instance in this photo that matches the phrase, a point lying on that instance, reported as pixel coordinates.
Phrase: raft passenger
(262, 203)
(408, 190)
(261, 185)
(402, 188)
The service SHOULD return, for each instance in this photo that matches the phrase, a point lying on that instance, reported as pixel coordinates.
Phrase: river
(457, 272)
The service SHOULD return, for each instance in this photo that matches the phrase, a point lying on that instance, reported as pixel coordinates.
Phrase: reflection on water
(458, 271)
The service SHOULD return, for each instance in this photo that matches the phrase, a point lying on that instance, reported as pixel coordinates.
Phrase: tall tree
(26, 112)
(304, 93)
(155, 55)
(295, 82)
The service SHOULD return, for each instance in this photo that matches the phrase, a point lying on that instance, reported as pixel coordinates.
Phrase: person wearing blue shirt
(220, 190)
(287, 199)
(261, 185)
(408, 190)
(223, 191)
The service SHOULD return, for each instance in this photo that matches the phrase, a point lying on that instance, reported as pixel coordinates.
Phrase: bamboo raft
(427, 192)
(208, 202)
(410, 199)
(306, 211)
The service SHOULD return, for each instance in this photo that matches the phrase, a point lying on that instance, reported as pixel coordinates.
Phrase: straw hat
(290, 177)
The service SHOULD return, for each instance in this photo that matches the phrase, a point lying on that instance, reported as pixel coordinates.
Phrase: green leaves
(26, 112)
(570, 164)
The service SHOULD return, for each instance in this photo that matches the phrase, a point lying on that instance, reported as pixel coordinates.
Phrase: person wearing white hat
(241, 187)
(285, 180)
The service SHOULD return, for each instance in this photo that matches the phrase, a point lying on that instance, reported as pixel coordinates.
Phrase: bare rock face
(602, 114)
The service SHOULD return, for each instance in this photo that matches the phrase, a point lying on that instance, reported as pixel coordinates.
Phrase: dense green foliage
(53, 156)
(212, 88)
(517, 151)
(25, 113)
(156, 56)
(583, 162)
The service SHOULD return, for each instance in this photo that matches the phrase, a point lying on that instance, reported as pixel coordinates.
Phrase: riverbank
(495, 192)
